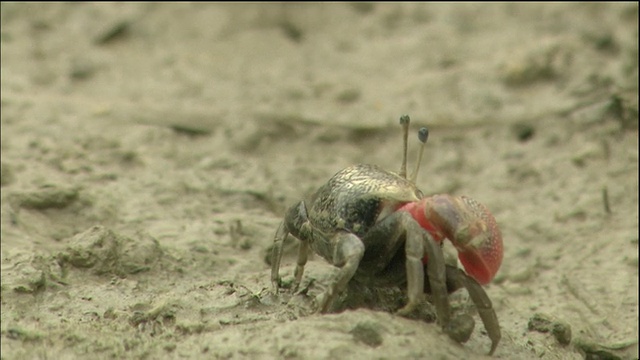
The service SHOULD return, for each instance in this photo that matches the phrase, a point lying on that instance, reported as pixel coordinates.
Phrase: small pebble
(545, 323)
(460, 328)
(368, 333)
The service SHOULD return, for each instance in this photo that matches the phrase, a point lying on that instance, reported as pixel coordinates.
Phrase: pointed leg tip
(494, 346)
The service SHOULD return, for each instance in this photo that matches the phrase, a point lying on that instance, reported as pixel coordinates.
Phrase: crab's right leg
(419, 243)
(385, 237)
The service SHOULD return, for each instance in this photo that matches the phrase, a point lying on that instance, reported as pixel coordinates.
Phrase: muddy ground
(149, 152)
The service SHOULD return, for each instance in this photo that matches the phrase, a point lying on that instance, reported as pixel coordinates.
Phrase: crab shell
(468, 225)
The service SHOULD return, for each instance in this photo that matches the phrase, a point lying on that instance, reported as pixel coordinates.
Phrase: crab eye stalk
(404, 121)
(423, 135)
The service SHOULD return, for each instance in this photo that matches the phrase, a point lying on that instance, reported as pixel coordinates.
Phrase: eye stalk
(423, 135)
(404, 121)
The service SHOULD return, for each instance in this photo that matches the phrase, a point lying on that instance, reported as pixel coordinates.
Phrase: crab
(379, 229)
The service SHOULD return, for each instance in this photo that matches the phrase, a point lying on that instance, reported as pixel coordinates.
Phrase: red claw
(468, 225)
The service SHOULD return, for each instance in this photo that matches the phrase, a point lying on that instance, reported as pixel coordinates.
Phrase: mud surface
(149, 152)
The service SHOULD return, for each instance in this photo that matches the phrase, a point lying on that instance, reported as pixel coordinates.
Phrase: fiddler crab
(379, 229)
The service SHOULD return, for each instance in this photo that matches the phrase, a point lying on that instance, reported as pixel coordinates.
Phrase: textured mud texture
(149, 152)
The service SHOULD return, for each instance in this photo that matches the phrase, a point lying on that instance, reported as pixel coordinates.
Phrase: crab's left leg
(348, 250)
(276, 255)
(296, 223)
(456, 278)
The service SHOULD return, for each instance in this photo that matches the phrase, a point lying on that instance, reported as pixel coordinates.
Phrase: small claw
(494, 346)
(479, 243)
(469, 226)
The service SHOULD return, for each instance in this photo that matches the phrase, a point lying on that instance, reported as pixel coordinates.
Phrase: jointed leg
(436, 272)
(485, 310)
(297, 224)
(348, 251)
(385, 236)
(414, 251)
(457, 278)
(303, 255)
(276, 255)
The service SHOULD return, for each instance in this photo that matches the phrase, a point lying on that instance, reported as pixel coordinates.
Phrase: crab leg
(297, 224)
(385, 238)
(349, 250)
(485, 309)
(436, 273)
(276, 255)
(456, 278)
(303, 255)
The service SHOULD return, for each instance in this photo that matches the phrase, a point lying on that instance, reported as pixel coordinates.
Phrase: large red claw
(469, 226)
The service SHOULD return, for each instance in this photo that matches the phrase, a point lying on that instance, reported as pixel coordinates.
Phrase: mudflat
(149, 152)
